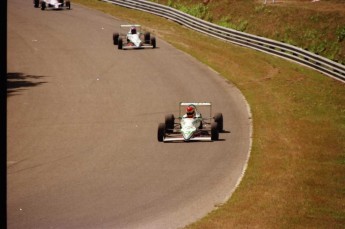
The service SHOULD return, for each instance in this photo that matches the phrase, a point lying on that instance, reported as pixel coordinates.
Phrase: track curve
(82, 121)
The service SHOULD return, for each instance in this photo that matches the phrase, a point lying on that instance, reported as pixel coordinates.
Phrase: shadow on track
(17, 81)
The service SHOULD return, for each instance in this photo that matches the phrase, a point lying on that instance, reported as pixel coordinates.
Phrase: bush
(341, 33)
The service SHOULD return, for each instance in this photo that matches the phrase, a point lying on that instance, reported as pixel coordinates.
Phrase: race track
(82, 119)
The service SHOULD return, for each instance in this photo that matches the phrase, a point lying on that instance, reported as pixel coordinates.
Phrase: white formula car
(191, 126)
(134, 39)
(52, 4)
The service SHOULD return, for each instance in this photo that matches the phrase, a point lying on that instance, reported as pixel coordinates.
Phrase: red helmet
(190, 111)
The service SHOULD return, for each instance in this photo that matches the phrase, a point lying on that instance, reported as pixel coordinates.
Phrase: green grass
(197, 10)
(318, 27)
(295, 177)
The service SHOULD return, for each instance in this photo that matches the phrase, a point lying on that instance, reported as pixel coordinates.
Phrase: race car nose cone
(187, 135)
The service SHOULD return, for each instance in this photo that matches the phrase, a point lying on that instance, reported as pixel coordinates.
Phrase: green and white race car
(134, 39)
(191, 126)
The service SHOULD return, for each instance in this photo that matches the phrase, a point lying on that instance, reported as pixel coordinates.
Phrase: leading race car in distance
(134, 39)
(191, 126)
(52, 4)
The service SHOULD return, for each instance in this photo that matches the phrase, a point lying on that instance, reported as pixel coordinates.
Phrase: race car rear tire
(120, 43)
(153, 42)
(43, 6)
(116, 38)
(214, 131)
(169, 122)
(161, 132)
(218, 118)
(147, 38)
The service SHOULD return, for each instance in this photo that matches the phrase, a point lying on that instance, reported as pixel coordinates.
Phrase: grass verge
(318, 26)
(295, 177)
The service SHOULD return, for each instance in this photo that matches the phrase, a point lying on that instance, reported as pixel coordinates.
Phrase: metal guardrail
(280, 49)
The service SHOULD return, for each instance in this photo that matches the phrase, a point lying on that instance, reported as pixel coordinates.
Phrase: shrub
(341, 33)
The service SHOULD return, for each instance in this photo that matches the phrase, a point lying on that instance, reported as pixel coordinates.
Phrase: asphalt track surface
(82, 123)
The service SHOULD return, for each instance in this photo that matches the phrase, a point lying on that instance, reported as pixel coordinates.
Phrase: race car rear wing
(196, 105)
(128, 26)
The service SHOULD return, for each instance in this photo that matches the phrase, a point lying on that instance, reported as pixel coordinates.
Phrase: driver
(190, 112)
(133, 30)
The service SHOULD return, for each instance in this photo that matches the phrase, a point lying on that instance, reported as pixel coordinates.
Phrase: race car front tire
(120, 43)
(169, 122)
(116, 38)
(36, 3)
(214, 131)
(68, 5)
(161, 132)
(147, 38)
(218, 118)
(153, 42)
(43, 6)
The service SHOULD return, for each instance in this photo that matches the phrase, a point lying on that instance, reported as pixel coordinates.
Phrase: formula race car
(191, 126)
(52, 4)
(134, 39)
